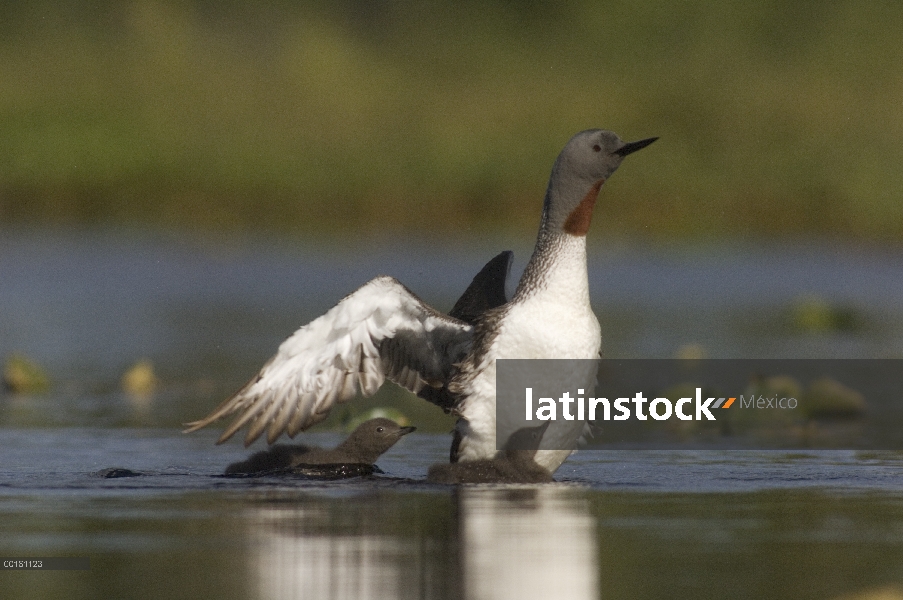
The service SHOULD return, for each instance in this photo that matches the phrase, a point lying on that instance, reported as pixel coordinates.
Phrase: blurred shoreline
(356, 117)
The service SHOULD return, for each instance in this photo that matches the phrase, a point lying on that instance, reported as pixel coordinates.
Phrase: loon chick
(383, 331)
(514, 464)
(365, 444)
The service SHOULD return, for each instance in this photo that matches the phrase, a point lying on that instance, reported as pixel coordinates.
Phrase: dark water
(616, 525)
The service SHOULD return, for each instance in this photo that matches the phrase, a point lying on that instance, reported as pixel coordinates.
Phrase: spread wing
(486, 291)
(380, 331)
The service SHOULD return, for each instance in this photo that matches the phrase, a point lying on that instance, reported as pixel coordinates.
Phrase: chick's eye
(597, 148)
(379, 430)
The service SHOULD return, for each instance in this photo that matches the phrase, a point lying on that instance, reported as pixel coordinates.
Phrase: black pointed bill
(631, 147)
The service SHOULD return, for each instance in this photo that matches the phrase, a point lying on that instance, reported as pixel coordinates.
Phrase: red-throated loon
(383, 330)
(363, 447)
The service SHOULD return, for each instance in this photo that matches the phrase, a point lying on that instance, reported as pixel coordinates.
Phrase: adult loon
(383, 330)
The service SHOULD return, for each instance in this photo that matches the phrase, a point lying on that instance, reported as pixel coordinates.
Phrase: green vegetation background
(776, 118)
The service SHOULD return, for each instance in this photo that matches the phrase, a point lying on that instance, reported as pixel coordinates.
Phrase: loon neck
(557, 268)
(558, 264)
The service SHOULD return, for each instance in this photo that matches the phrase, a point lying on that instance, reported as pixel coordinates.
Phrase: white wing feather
(380, 331)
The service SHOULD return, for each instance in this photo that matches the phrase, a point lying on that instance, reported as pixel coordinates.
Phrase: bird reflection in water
(527, 542)
(493, 542)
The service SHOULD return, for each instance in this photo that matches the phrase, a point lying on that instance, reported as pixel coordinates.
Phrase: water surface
(86, 305)
(617, 524)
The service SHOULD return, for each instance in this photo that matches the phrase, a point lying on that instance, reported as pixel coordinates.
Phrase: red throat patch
(578, 221)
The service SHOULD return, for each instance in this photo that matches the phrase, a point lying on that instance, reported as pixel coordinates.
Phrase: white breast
(533, 329)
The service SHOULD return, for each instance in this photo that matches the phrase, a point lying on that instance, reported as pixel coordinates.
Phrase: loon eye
(597, 148)
(380, 429)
